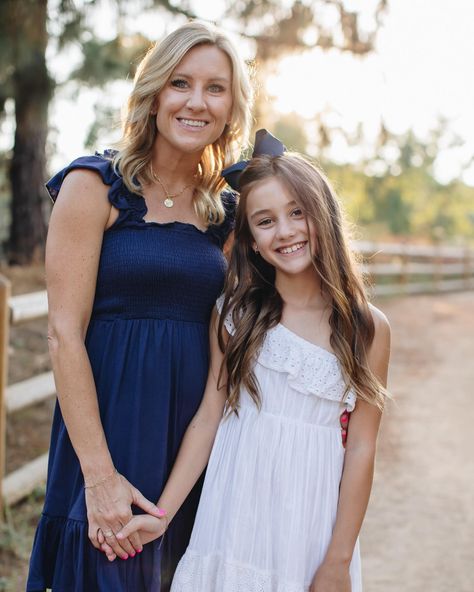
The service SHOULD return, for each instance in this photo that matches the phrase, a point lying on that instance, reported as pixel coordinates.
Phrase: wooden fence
(395, 269)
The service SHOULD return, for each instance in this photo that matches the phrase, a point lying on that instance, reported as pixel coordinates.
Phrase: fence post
(467, 268)
(438, 267)
(405, 262)
(4, 331)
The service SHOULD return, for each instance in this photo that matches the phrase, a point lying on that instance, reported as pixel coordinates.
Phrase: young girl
(294, 347)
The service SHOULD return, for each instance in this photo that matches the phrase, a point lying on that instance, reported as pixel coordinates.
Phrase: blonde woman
(134, 264)
(295, 347)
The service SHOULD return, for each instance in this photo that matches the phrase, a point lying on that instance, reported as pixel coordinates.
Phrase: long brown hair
(251, 297)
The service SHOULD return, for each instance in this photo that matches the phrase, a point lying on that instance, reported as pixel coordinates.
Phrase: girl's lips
(291, 249)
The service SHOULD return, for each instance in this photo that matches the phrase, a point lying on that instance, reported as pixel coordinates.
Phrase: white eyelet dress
(269, 501)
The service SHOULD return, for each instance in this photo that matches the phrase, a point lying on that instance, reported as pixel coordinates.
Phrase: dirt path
(419, 531)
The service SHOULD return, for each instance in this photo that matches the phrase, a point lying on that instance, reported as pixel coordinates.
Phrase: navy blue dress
(147, 342)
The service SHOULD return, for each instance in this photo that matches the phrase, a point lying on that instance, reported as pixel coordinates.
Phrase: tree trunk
(32, 93)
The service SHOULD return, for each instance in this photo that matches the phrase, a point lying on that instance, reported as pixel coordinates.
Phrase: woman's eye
(179, 83)
(297, 212)
(216, 88)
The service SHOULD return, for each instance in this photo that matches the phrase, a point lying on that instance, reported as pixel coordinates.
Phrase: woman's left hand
(331, 577)
(147, 527)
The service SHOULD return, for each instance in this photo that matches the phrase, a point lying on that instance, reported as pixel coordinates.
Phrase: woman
(134, 263)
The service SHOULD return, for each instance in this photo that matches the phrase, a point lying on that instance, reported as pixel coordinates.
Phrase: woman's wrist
(90, 484)
(96, 469)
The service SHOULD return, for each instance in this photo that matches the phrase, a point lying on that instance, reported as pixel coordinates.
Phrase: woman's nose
(196, 100)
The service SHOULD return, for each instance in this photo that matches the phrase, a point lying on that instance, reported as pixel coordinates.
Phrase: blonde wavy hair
(255, 304)
(139, 127)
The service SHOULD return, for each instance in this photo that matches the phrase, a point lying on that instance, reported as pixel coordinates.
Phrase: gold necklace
(169, 197)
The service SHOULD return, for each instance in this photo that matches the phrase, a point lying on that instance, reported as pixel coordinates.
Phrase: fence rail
(395, 269)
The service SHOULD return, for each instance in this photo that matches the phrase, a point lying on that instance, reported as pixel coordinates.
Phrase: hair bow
(265, 143)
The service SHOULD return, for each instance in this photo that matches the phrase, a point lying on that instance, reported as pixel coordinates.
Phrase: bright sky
(422, 70)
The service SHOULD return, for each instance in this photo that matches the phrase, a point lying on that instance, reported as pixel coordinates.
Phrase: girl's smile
(281, 231)
(292, 249)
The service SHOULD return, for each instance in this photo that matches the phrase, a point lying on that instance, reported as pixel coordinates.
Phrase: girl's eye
(179, 83)
(264, 222)
(297, 212)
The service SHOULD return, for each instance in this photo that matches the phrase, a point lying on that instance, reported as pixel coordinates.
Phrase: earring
(256, 251)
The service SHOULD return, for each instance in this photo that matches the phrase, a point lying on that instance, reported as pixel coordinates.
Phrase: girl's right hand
(147, 527)
(109, 509)
(331, 577)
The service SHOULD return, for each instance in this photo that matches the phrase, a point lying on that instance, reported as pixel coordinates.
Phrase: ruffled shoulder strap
(119, 196)
(220, 232)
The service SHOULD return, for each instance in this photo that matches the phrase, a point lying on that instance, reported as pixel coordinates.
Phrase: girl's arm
(80, 216)
(193, 454)
(196, 446)
(357, 476)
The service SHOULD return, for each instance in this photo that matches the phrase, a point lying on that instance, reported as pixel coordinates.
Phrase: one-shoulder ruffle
(311, 369)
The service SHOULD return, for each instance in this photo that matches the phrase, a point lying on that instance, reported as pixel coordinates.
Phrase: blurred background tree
(391, 192)
(26, 25)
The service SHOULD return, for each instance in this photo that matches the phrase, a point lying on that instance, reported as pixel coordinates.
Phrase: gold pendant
(169, 203)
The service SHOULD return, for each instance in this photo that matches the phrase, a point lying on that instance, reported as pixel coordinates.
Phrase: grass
(16, 538)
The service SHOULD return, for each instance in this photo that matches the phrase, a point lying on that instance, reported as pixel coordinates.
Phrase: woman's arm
(194, 451)
(80, 216)
(357, 476)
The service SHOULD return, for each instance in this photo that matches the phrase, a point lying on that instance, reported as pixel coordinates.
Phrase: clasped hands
(113, 528)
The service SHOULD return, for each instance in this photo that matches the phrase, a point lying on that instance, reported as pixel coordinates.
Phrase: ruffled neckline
(305, 343)
(311, 369)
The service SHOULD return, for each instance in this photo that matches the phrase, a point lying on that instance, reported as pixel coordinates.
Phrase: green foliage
(290, 130)
(282, 27)
(104, 61)
(410, 205)
(404, 200)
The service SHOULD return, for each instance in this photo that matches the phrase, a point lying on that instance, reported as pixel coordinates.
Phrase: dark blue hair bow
(265, 143)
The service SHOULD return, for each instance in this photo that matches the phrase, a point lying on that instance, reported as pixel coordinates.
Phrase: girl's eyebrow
(259, 213)
(268, 210)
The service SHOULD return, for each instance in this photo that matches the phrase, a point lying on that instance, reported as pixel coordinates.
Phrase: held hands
(147, 527)
(331, 577)
(108, 505)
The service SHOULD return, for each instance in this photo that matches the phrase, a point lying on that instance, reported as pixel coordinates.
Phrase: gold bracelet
(100, 481)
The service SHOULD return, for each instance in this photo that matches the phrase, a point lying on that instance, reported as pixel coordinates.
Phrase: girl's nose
(285, 230)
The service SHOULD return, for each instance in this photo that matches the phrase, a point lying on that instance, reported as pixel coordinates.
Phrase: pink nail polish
(132, 554)
(125, 557)
(139, 550)
(161, 512)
